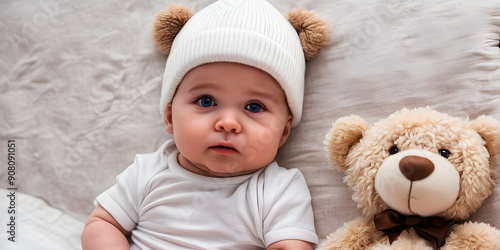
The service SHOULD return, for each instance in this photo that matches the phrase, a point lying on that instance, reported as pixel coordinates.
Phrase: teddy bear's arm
(356, 234)
(473, 235)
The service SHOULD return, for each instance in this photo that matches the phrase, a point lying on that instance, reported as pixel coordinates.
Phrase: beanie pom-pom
(313, 31)
(167, 24)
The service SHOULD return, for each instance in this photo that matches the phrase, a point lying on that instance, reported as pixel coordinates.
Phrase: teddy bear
(418, 175)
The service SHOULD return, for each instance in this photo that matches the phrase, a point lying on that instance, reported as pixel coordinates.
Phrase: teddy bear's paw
(357, 234)
(402, 245)
(473, 235)
(407, 240)
(380, 246)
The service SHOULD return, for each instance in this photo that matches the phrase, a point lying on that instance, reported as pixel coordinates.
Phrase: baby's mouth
(223, 149)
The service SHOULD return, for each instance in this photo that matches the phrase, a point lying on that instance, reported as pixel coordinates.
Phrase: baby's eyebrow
(202, 86)
(261, 94)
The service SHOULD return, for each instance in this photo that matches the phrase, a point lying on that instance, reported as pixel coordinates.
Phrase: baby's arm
(290, 244)
(102, 231)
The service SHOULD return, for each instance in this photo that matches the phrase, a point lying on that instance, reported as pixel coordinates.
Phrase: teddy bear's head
(417, 162)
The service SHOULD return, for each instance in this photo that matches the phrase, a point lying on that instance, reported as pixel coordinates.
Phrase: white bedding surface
(80, 86)
(38, 225)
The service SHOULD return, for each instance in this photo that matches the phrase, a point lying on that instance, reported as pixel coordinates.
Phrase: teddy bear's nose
(415, 167)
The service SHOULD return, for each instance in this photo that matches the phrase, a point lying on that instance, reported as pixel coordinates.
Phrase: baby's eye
(205, 101)
(254, 107)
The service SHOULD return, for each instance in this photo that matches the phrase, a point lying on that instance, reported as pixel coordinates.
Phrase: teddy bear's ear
(167, 24)
(344, 134)
(313, 31)
(489, 129)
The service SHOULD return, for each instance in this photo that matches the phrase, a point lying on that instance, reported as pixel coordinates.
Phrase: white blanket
(36, 225)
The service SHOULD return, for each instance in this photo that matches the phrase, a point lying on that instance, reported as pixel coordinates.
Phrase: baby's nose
(228, 123)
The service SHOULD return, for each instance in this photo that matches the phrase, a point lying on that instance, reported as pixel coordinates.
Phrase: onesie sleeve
(124, 199)
(287, 208)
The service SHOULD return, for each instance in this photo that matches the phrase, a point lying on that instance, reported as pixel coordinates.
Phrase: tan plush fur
(167, 24)
(472, 234)
(345, 133)
(313, 31)
(358, 150)
(489, 133)
(408, 240)
(356, 234)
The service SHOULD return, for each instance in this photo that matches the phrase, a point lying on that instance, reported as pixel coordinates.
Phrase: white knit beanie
(250, 32)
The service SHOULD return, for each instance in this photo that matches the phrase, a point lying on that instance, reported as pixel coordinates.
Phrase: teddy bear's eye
(393, 150)
(444, 153)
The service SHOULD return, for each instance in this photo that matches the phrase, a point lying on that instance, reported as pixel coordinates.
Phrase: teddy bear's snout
(417, 182)
(415, 167)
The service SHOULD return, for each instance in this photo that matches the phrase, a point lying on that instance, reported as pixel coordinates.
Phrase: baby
(232, 90)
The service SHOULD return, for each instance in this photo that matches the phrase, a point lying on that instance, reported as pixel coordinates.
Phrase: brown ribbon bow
(432, 229)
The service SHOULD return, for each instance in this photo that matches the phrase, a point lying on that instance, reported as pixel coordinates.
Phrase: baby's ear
(167, 24)
(167, 118)
(313, 31)
(344, 134)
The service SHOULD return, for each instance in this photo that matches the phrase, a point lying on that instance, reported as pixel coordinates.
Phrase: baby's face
(228, 119)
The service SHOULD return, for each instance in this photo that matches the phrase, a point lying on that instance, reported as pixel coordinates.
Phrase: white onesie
(168, 207)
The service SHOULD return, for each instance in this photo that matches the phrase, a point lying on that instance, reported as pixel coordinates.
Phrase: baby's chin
(214, 170)
(231, 174)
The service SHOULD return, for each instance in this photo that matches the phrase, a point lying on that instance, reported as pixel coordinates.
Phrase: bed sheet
(34, 224)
